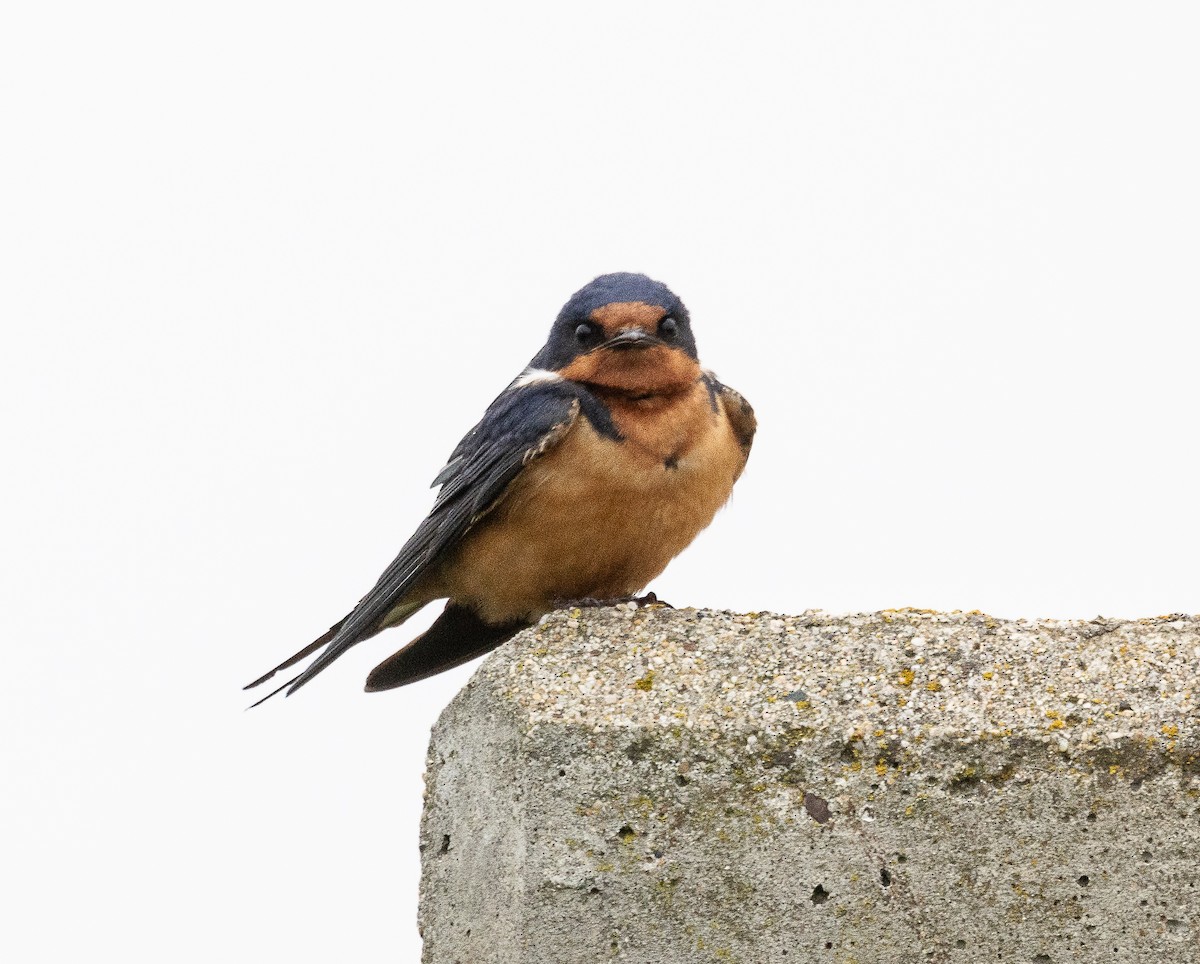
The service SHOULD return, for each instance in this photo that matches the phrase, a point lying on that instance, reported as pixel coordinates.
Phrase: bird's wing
(525, 422)
(737, 411)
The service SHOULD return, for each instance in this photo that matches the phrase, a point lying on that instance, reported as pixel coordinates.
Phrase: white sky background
(264, 264)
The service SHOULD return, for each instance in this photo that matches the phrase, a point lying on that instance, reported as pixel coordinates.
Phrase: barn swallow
(596, 466)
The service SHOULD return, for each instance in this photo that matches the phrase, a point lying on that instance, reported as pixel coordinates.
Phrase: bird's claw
(589, 602)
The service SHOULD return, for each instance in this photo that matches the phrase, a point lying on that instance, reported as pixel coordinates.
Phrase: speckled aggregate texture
(661, 786)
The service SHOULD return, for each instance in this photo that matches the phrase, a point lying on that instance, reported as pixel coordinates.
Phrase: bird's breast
(601, 517)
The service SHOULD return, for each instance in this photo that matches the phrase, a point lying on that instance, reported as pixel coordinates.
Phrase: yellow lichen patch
(933, 686)
(906, 677)
(881, 767)
(646, 683)
(988, 674)
(1170, 729)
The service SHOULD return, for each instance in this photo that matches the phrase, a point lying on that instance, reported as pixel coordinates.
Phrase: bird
(598, 464)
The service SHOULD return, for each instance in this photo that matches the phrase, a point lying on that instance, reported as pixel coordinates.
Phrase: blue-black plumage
(584, 478)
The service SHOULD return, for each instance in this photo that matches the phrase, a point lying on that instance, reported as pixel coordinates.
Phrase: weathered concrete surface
(664, 787)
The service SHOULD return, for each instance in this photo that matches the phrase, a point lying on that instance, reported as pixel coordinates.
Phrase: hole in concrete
(960, 943)
(626, 832)
(784, 758)
(1136, 784)
(562, 773)
(817, 807)
(1146, 855)
(829, 945)
(819, 895)
(1041, 959)
(1173, 924)
(445, 844)
(594, 890)
(638, 749)
(885, 877)
(1083, 881)
(682, 780)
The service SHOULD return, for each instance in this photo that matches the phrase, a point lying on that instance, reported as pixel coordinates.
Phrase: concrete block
(661, 787)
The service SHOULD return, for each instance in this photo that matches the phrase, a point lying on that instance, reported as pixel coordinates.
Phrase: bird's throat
(659, 370)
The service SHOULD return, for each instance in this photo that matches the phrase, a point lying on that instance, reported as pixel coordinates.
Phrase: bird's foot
(588, 602)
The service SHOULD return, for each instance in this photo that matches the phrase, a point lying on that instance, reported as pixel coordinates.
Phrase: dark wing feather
(737, 410)
(741, 418)
(520, 425)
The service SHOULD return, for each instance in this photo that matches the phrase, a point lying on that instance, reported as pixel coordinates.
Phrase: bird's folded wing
(737, 411)
(521, 425)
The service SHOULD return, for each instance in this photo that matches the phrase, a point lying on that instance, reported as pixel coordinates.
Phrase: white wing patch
(535, 376)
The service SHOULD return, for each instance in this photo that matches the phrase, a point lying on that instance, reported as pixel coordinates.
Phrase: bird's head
(623, 333)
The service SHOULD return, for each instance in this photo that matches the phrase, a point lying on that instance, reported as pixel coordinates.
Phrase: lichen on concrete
(654, 785)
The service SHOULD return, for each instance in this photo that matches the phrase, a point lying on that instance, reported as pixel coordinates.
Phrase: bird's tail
(456, 636)
(394, 618)
(304, 653)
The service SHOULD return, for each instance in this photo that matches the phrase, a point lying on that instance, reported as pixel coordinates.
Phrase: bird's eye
(668, 327)
(583, 333)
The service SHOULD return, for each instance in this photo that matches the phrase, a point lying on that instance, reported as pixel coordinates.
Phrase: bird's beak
(631, 338)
